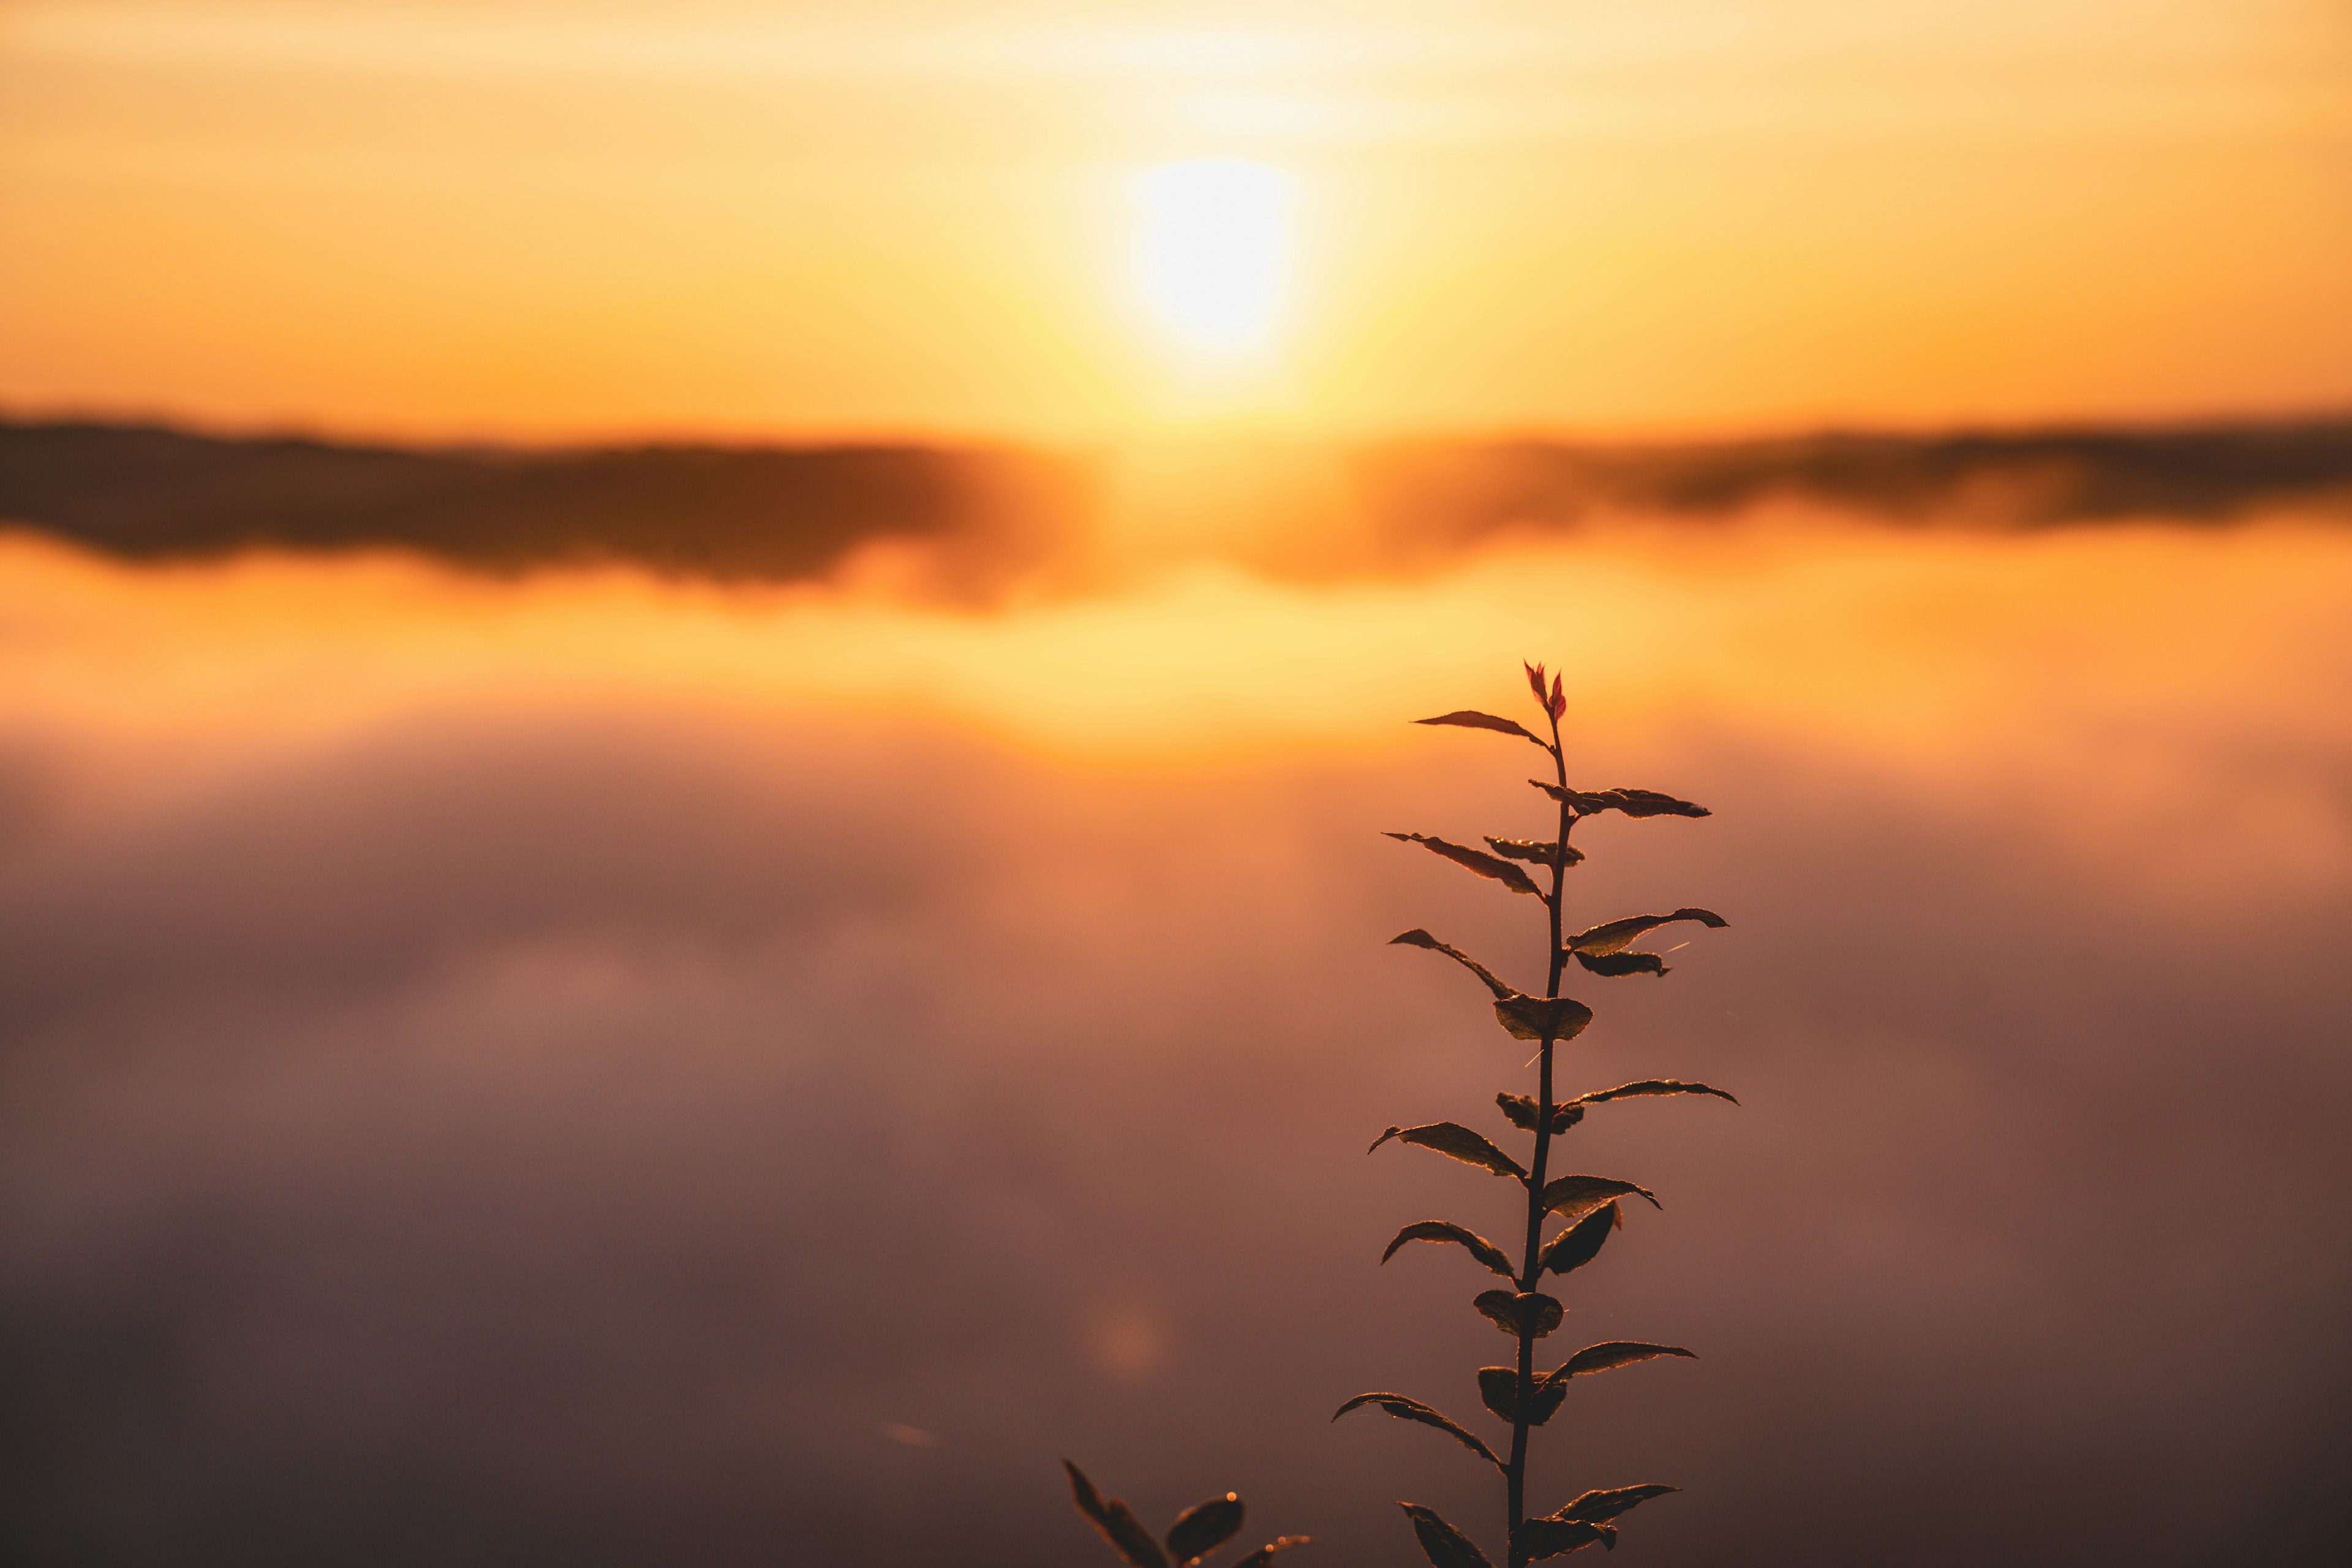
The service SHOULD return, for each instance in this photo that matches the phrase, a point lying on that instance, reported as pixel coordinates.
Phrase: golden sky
(521, 217)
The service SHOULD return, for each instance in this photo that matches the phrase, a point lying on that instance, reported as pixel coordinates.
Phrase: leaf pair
(1570, 1250)
(1538, 1538)
(1522, 1113)
(1409, 1409)
(1555, 704)
(1543, 1018)
(1530, 1311)
(1498, 1390)
(1602, 949)
(1582, 1523)
(1198, 1531)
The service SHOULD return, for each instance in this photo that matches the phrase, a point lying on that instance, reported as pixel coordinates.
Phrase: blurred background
(696, 700)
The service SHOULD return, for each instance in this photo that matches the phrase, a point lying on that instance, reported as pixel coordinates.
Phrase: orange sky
(910, 217)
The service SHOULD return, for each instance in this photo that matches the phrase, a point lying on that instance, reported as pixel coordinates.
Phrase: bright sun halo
(1213, 247)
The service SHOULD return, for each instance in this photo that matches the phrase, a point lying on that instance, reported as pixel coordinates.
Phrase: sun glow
(1212, 249)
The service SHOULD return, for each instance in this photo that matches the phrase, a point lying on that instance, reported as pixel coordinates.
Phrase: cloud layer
(629, 1127)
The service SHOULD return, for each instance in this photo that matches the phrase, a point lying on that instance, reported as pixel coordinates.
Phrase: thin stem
(1516, 1476)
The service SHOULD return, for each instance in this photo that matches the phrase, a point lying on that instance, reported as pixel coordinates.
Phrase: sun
(1212, 249)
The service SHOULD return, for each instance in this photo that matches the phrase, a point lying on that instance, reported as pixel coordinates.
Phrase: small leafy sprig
(1198, 1531)
(1590, 1207)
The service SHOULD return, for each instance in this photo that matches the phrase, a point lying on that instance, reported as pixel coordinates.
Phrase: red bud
(1558, 703)
(1534, 677)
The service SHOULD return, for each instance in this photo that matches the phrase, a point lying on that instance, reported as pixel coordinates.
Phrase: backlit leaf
(1507, 1311)
(1632, 802)
(1649, 1085)
(1471, 719)
(1265, 1554)
(1594, 1507)
(1574, 1197)
(1419, 938)
(1537, 850)
(1609, 1356)
(1614, 964)
(1117, 1522)
(1581, 1243)
(1649, 803)
(1581, 802)
(1612, 936)
(1541, 1017)
(1498, 1390)
(1444, 1546)
(1485, 1251)
(1523, 1111)
(1455, 1141)
(1476, 860)
(1202, 1528)
(1405, 1409)
(1540, 1538)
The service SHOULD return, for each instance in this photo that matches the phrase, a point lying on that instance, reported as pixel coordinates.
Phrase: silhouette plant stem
(1523, 1416)
(1589, 1205)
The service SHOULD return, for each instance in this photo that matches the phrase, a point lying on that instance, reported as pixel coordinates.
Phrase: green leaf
(1538, 1538)
(1116, 1520)
(1649, 1085)
(1508, 1312)
(1265, 1554)
(1444, 1546)
(1608, 1356)
(1615, 965)
(1202, 1528)
(1538, 850)
(1555, 1018)
(1485, 1251)
(1574, 1197)
(1523, 1111)
(1406, 1409)
(1419, 938)
(1471, 719)
(1632, 802)
(1476, 860)
(1457, 1143)
(1594, 1507)
(1581, 1243)
(1498, 1390)
(1612, 936)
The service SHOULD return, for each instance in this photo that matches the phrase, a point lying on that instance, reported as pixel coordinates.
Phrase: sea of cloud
(608, 1071)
